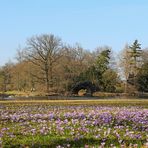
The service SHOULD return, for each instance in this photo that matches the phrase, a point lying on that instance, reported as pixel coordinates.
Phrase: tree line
(48, 65)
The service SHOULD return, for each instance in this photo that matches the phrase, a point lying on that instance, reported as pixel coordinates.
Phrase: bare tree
(145, 55)
(44, 51)
(20, 54)
(6, 76)
(125, 65)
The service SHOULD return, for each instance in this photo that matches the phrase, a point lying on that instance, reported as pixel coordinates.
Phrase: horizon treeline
(46, 64)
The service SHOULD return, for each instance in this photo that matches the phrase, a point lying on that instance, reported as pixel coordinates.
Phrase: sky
(91, 23)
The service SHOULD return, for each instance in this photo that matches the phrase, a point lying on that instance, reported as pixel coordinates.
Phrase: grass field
(74, 123)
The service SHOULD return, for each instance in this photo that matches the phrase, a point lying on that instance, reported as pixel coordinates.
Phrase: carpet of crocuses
(73, 125)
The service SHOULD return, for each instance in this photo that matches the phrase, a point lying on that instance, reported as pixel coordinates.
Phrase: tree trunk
(47, 78)
(51, 75)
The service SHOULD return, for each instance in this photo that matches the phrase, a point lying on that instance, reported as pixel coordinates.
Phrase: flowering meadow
(63, 125)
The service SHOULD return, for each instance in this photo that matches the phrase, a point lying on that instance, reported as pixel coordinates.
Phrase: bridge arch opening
(83, 89)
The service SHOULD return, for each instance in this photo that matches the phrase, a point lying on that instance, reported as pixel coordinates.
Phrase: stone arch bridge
(86, 85)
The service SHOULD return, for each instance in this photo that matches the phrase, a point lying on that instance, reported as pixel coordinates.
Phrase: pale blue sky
(92, 23)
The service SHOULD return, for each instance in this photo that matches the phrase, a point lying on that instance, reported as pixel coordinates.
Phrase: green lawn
(74, 123)
(117, 102)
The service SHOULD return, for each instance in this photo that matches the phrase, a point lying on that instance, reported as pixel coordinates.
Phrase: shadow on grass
(77, 143)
